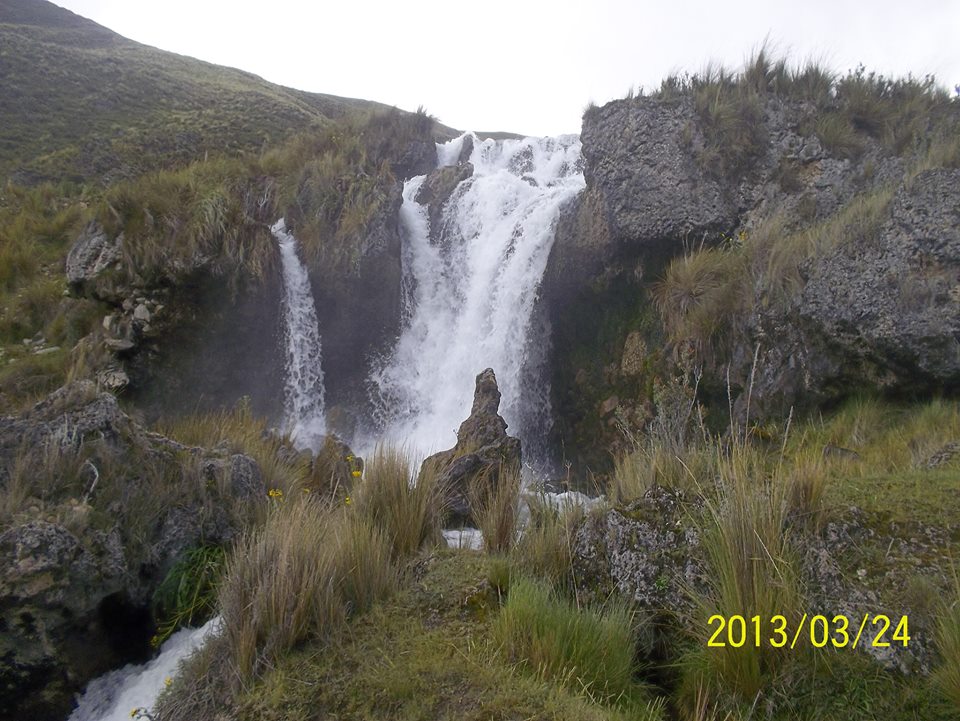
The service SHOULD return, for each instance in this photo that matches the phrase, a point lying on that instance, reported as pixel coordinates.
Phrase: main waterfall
(470, 287)
(303, 389)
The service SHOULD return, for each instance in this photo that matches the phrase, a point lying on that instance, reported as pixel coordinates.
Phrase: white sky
(528, 66)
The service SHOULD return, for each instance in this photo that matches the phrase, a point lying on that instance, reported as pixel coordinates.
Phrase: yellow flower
(275, 493)
(167, 681)
(305, 490)
(133, 712)
(355, 474)
(349, 458)
(348, 500)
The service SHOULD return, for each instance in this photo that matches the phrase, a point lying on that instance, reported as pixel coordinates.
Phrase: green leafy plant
(188, 593)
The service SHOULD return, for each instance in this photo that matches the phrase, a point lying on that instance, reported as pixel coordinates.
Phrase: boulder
(92, 253)
(648, 551)
(638, 158)
(895, 304)
(483, 449)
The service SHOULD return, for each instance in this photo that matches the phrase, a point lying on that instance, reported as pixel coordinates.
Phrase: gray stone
(638, 158)
(483, 449)
(141, 313)
(91, 254)
(649, 551)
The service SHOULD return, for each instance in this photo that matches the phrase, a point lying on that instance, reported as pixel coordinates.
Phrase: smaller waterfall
(303, 391)
(111, 697)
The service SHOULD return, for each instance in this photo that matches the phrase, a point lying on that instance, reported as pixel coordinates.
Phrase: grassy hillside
(83, 103)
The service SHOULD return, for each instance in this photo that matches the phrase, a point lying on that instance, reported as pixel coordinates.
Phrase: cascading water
(303, 392)
(470, 287)
(113, 696)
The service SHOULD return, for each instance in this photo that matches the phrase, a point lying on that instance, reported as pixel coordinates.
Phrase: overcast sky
(528, 66)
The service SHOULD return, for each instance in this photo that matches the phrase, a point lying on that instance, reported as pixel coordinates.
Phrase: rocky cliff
(806, 243)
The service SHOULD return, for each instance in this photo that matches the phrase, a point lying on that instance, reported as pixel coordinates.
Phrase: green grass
(545, 547)
(187, 595)
(903, 115)
(425, 656)
(590, 651)
(86, 104)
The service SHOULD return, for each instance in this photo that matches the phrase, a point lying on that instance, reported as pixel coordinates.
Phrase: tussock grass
(316, 563)
(844, 111)
(409, 511)
(650, 466)
(495, 501)
(589, 651)
(280, 587)
(545, 548)
(751, 571)
(207, 213)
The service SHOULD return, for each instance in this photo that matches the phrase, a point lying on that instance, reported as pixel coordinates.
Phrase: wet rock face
(81, 556)
(878, 313)
(483, 450)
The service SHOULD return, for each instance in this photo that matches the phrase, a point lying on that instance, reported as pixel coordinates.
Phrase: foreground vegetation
(344, 606)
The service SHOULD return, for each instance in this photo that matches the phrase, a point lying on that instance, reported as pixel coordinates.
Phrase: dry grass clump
(495, 503)
(408, 509)
(238, 430)
(751, 571)
(545, 547)
(318, 561)
(280, 587)
(300, 577)
(947, 674)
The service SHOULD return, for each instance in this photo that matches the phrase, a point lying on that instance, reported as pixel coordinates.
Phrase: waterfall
(470, 288)
(303, 390)
(111, 697)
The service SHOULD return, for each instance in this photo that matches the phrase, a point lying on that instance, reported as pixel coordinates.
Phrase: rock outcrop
(648, 551)
(663, 181)
(98, 511)
(483, 450)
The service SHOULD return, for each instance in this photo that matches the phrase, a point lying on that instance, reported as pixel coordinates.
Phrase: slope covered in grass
(82, 102)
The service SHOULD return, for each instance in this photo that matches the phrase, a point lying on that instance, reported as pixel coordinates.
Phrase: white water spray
(303, 391)
(113, 696)
(470, 288)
